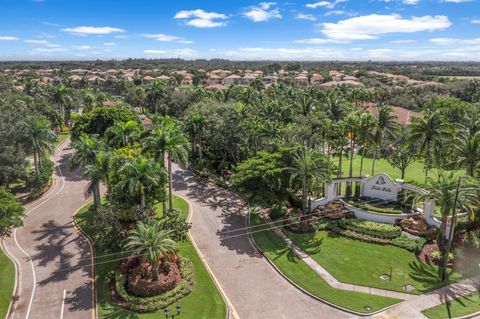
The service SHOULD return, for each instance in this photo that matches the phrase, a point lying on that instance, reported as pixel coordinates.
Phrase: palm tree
(352, 123)
(431, 131)
(468, 152)
(195, 127)
(334, 107)
(443, 190)
(365, 132)
(156, 93)
(385, 127)
(152, 243)
(122, 134)
(167, 137)
(309, 167)
(40, 138)
(86, 149)
(61, 96)
(139, 176)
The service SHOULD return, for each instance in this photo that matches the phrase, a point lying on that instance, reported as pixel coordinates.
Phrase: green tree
(11, 213)
(62, 97)
(122, 134)
(309, 167)
(431, 130)
(366, 128)
(40, 139)
(468, 152)
(152, 243)
(385, 128)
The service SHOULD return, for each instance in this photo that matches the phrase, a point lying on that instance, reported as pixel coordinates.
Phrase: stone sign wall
(381, 186)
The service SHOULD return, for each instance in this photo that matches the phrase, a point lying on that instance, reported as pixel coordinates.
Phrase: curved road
(253, 287)
(54, 260)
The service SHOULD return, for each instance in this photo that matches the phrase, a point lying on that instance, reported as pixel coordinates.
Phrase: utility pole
(451, 232)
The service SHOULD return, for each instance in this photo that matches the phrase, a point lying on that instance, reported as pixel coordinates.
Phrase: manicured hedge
(373, 229)
(151, 304)
(402, 241)
(375, 209)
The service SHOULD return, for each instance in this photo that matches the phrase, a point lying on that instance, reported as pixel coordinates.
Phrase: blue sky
(240, 30)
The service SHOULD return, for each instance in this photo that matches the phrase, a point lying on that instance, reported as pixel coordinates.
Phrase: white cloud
(411, 1)
(201, 19)
(335, 12)
(81, 47)
(403, 41)
(457, 1)
(185, 41)
(302, 16)
(109, 44)
(476, 21)
(8, 38)
(325, 4)
(50, 50)
(161, 37)
(36, 41)
(371, 26)
(176, 53)
(452, 41)
(263, 12)
(316, 41)
(86, 30)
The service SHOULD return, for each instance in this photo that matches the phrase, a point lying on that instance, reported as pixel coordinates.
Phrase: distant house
(402, 115)
(214, 79)
(233, 79)
(336, 83)
(316, 78)
(301, 79)
(148, 78)
(270, 79)
(163, 78)
(248, 78)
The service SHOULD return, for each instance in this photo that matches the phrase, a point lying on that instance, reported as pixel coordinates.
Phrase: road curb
(92, 251)
(228, 303)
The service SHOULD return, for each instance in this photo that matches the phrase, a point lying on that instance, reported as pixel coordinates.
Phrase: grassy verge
(61, 137)
(7, 281)
(414, 173)
(299, 272)
(357, 262)
(204, 301)
(460, 307)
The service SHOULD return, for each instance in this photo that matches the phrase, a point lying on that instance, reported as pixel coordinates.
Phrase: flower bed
(380, 206)
(373, 229)
(154, 303)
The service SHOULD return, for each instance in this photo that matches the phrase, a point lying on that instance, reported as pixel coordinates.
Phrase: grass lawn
(295, 269)
(7, 281)
(61, 137)
(204, 301)
(356, 262)
(460, 307)
(414, 173)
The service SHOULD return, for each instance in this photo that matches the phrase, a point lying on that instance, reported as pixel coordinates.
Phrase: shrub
(37, 183)
(154, 303)
(371, 228)
(401, 241)
(278, 211)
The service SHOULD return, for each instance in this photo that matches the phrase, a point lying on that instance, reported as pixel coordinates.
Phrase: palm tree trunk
(96, 195)
(35, 162)
(373, 161)
(350, 172)
(361, 160)
(155, 275)
(170, 196)
(340, 173)
(142, 198)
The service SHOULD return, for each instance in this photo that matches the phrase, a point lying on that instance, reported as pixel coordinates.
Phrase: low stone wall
(375, 217)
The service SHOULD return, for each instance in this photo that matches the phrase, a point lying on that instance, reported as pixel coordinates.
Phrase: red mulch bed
(424, 256)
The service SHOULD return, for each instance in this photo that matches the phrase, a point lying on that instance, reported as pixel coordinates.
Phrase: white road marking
(63, 303)
(20, 247)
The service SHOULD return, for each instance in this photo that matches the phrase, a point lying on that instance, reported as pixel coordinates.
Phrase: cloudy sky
(240, 29)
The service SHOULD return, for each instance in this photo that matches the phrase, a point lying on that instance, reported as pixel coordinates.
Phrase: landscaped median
(301, 274)
(460, 307)
(204, 301)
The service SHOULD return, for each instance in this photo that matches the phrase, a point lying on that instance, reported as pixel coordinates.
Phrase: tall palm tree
(386, 127)
(352, 124)
(122, 134)
(40, 138)
(365, 133)
(62, 97)
(86, 149)
(140, 176)
(309, 167)
(152, 243)
(195, 127)
(431, 130)
(155, 94)
(443, 190)
(468, 152)
(167, 137)
(334, 107)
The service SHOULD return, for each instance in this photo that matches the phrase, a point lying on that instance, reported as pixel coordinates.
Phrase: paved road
(251, 284)
(55, 277)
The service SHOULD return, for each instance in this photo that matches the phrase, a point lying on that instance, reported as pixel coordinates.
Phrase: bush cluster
(37, 183)
(155, 303)
(402, 241)
(373, 229)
